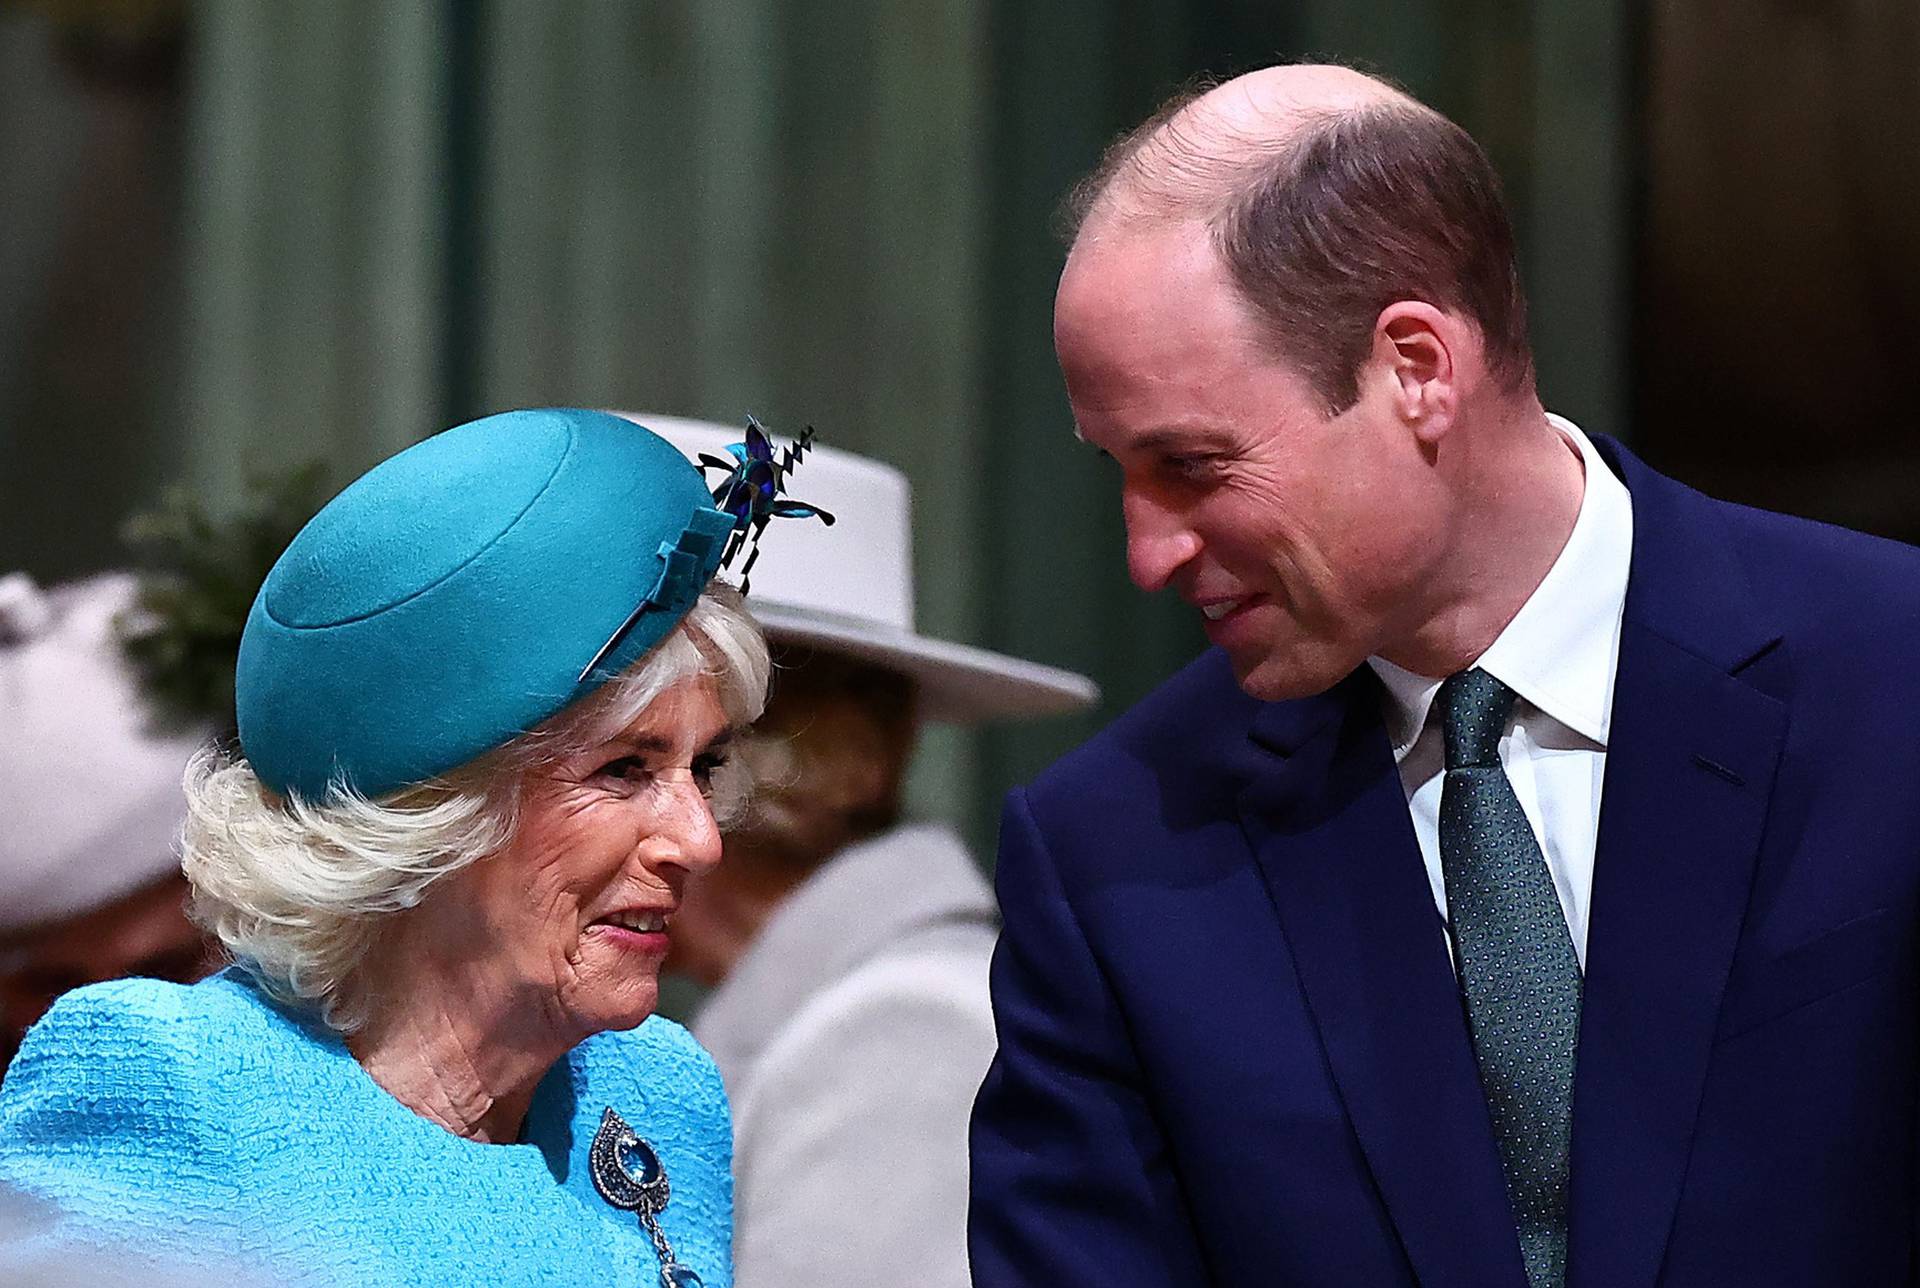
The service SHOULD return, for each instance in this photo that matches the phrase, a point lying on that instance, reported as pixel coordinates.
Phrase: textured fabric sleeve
(106, 1114)
(852, 1162)
(1071, 1186)
(687, 1120)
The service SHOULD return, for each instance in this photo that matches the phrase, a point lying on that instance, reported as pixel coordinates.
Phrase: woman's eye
(704, 768)
(627, 769)
(636, 772)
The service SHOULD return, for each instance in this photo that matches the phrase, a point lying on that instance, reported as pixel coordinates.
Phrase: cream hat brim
(958, 684)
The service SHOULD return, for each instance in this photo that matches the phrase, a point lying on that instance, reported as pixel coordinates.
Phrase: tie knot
(1473, 708)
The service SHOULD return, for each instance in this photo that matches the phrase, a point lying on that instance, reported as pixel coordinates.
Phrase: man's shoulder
(1800, 570)
(1843, 563)
(1169, 738)
(1823, 586)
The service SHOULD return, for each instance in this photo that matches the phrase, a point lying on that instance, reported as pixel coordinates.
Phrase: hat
(89, 792)
(465, 590)
(849, 588)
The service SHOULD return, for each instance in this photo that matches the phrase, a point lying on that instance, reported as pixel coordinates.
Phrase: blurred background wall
(237, 235)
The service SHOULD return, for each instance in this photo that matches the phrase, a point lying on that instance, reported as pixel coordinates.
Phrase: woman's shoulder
(118, 1107)
(660, 1068)
(125, 1032)
(217, 999)
(665, 1085)
(138, 1064)
(126, 1026)
(659, 1039)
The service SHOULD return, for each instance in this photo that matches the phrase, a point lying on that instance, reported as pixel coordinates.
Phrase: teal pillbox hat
(452, 598)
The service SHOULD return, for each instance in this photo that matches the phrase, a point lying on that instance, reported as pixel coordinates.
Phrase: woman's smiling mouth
(639, 930)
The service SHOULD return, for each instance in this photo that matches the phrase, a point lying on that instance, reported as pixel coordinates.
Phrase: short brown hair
(829, 758)
(1360, 208)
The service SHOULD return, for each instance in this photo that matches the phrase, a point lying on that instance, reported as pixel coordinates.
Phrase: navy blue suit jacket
(1231, 1045)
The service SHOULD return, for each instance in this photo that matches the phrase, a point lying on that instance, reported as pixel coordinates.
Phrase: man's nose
(1159, 541)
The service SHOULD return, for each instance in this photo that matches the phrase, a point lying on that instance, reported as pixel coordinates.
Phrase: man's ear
(1420, 349)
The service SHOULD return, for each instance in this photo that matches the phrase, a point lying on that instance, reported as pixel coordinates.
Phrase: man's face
(1303, 539)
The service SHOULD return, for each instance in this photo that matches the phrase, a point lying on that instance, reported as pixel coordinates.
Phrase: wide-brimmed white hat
(90, 798)
(849, 587)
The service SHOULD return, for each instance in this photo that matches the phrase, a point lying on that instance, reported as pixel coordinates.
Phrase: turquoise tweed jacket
(207, 1122)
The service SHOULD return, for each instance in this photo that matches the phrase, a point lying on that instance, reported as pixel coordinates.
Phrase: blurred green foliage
(199, 572)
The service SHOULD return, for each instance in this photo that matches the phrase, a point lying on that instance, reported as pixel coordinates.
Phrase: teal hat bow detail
(687, 563)
(752, 494)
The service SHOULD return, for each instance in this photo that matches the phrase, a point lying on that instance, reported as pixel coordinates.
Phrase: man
(1523, 889)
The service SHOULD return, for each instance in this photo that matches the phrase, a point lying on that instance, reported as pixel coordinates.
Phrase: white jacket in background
(852, 1036)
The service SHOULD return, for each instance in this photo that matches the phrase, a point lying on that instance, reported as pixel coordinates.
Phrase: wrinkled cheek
(1306, 588)
(1366, 564)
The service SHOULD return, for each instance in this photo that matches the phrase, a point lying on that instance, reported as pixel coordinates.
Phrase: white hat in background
(90, 797)
(849, 587)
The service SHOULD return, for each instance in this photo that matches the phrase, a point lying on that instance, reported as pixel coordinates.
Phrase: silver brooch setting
(629, 1175)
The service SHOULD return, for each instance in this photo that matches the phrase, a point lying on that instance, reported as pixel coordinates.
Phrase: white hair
(296, 891)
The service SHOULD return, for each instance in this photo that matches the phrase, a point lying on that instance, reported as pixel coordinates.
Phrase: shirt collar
(1561, 649)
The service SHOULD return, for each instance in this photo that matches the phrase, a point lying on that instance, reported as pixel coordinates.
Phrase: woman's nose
(696, 832)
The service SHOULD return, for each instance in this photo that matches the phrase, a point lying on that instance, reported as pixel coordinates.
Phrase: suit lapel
(1691, 755)
(1328, 820)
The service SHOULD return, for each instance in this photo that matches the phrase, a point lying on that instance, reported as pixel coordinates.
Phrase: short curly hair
(297, 891)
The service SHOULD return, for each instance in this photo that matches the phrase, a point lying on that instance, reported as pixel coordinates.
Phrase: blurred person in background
(114, 681)
(90, 806)
(483, 700)
(848, 948)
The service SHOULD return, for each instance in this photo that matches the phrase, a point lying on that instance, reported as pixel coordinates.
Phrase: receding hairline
(1197, 155)
(1322, 209)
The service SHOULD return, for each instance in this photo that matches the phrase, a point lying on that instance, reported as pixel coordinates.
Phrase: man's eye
(1187, 468)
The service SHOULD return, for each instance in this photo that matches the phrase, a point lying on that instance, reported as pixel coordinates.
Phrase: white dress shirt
(1559, 654)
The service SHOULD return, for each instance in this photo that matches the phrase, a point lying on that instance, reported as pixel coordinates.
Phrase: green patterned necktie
(1518, 971)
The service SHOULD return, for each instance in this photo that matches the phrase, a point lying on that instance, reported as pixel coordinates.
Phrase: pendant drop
(629, 1175)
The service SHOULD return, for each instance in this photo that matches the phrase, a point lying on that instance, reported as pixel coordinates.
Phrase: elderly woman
(484, 700)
